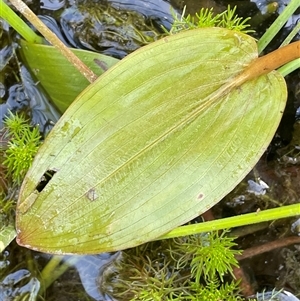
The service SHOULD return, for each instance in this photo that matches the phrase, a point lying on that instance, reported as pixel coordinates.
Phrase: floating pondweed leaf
(158, 139)
(62, 89)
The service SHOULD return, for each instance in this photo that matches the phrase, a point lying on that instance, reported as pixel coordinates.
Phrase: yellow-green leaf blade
(150, 145)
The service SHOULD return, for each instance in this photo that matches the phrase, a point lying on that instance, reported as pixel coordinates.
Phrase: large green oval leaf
(154, 142)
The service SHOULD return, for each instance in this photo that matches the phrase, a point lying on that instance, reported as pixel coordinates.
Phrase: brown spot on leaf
(101, 64)
(200, 196)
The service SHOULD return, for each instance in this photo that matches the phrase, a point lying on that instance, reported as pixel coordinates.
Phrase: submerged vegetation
(187, 268)
(207, 18)
(20, 144)
(23, 144)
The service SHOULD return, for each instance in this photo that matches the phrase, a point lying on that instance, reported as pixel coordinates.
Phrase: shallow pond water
(116, 28)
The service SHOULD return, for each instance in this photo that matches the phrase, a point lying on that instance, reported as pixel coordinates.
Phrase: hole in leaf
(47, 176)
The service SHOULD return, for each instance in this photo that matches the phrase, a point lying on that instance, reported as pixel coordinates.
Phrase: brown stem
(270, 61)
(267, 247)
(51, 37)
(245, 285)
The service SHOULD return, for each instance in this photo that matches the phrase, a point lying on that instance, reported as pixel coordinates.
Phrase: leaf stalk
(270, 61)
(235, 221)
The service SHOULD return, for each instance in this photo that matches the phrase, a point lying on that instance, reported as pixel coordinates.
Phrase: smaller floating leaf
(157, 140)
(50, 67)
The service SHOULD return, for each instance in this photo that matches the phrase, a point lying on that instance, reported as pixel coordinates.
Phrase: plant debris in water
(107, 28)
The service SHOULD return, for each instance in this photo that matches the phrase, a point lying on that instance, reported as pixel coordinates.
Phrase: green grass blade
(277, 25)
(18, 24)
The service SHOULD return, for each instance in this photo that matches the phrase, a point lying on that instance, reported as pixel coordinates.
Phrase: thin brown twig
(267, 247)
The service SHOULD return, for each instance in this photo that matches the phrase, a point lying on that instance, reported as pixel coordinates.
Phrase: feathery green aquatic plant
(23, 144)
(207, 18)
